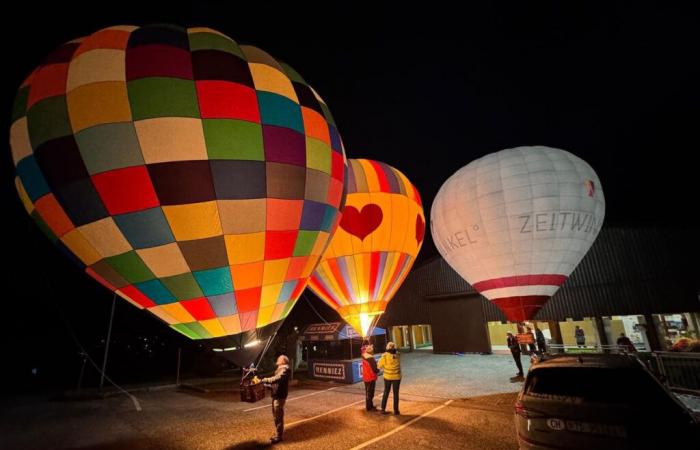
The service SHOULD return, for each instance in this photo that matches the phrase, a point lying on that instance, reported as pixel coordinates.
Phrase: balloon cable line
(267, 346)
(86, 355)
(76, 341)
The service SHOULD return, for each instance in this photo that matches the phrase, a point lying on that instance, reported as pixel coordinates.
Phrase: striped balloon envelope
(514, 224)
(197, 178)
(373, 249)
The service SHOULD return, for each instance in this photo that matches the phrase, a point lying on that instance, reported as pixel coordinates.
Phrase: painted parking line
(290, 399)
(397, 429)
(328, 412)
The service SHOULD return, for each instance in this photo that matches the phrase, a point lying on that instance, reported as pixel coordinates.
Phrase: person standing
(391, 363)
(514, 347)
(624, 341)
(369, 376)
(580, 336)
(531, 340)
(279, 384)
(541, 342)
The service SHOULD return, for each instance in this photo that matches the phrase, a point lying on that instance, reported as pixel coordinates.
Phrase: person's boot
(275, 439)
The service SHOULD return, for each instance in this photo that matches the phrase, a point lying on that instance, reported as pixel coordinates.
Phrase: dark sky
(426, 91)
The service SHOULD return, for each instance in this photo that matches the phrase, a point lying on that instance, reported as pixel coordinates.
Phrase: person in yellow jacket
(391, 363)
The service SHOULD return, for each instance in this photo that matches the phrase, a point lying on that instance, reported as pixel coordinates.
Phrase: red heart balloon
(361, 223)
(420, 229)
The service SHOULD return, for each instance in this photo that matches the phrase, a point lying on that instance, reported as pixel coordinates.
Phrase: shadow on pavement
(131, 444)
(250, 445)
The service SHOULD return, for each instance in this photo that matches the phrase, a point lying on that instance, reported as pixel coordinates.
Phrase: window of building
(634, 327)
(672, 329)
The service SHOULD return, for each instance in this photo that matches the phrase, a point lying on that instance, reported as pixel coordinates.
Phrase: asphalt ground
(447, 402)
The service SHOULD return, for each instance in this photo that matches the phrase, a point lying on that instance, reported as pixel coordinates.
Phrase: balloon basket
(252, 393)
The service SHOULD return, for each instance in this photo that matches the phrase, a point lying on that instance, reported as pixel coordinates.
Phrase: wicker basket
(252, 393)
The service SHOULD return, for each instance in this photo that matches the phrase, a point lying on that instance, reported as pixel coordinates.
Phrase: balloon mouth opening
(521, 308)
(367, 323)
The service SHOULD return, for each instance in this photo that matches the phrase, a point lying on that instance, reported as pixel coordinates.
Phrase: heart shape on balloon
(361, 223)
(420, 229)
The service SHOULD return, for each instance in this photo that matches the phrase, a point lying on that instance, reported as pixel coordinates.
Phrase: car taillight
(522, 411)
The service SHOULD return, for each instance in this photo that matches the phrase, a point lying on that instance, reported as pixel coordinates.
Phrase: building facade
(643, 282)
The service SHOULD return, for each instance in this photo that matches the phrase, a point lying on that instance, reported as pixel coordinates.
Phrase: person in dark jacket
(624, 341)
(279, 384)
(369, 376)
(541, 342)
(514, 347)
(580, 336)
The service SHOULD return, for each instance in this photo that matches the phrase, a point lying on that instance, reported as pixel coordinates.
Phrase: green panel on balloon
(212, 41)
(184, 329)
(19, 107)
(131, 266)
(247, 145)
(292, 74)
(327, 114)
(162, 97)
(305, 242)
(108, 147)
(318, 155)
(183, 286)
(287, 307)
(48, 119)
(43, 227)
(198, 330)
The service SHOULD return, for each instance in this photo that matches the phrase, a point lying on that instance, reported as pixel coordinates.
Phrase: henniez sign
(333, 371)
(331, 327)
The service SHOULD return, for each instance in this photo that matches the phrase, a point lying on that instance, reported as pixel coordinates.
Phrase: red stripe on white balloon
(520, 280)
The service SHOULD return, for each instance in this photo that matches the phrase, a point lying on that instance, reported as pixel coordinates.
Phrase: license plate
(576, 426)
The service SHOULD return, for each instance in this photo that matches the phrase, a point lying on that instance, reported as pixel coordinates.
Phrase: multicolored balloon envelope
(369, 256)
(197, 178)
(516, 223)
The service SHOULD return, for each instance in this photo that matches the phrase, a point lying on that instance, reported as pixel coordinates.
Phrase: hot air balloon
(515, 224)
(197, 178)
(373, 249)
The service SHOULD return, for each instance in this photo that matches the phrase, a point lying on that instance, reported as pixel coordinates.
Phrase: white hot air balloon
(516, 223)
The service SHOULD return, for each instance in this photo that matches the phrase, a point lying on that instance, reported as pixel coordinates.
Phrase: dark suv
(599, 401)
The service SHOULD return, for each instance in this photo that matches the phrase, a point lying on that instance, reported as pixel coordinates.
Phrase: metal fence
(679, 371)
(598, 348)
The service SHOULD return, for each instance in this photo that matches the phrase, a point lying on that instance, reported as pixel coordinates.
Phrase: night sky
(426, 91)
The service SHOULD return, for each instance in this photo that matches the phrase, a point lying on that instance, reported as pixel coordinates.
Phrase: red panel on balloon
(248, 299)
(199, 308)
(280, 244)
(126, 190)
(137, 296)
(226, 100)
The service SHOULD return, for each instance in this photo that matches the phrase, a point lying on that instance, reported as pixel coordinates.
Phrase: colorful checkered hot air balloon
(514, 224)
(198, 179)
(374, 247)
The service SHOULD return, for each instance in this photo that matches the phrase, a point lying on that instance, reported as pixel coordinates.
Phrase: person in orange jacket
(369, 376)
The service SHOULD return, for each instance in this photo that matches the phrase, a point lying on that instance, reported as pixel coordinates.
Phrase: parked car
(599, 401)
